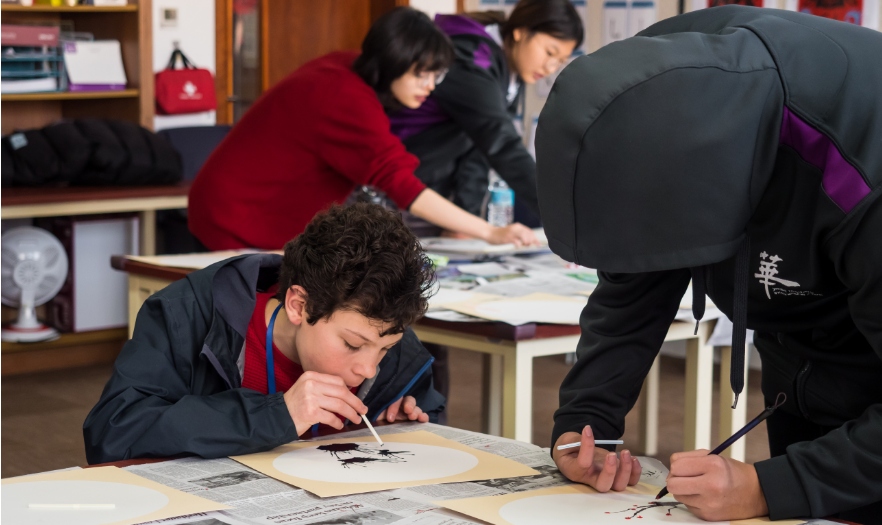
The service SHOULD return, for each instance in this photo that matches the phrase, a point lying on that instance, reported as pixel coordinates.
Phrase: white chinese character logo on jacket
(768, 270)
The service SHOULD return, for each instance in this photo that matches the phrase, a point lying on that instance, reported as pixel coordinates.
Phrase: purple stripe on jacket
(460, 25)
(407, 122)
(842, 182)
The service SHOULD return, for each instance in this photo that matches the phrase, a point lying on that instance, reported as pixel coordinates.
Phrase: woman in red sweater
(323, 131)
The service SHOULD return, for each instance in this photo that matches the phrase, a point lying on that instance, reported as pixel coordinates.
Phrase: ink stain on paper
(359, 461)
(389, 456)
(639, 509)
(335, 449)
(393, 454)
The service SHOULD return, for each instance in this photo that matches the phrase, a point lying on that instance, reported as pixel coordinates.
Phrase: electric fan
(34, 269)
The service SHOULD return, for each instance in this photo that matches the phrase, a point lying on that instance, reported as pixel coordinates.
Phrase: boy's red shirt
(287, 372)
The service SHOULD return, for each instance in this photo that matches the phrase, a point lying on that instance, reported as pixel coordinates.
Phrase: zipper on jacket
(404, 390)
(799, 382)
(801, 378)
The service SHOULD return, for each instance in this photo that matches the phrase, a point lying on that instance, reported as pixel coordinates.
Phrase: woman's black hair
(399, 39)
(557, 18)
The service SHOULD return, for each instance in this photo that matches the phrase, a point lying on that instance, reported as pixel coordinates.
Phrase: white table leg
(649, 411)
(523, 430)
(493, 377)
(147, 221)
(731, 420)
(699, 389)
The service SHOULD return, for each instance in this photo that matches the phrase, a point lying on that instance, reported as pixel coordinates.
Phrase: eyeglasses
(431, 77)
(554, 63)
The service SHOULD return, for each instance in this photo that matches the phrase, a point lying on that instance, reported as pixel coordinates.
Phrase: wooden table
(511, 350)
(22, 203)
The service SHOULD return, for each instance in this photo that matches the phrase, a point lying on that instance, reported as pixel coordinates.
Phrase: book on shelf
(29, 85)
(94, 66)
(26, 35)
(31, 59)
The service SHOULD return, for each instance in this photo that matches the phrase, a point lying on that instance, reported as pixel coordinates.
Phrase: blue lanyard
(270, 369)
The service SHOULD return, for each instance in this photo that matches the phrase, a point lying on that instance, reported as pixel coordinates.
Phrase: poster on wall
(842, 10)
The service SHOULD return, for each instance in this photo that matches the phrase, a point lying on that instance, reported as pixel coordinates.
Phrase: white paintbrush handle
(596, 442)
(371, 428)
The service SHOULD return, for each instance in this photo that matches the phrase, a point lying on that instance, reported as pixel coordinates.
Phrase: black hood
(652, 152)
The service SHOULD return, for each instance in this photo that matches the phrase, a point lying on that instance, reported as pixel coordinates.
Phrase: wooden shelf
(68, 351)
(69, 95)
(66, 340)
(17, 8)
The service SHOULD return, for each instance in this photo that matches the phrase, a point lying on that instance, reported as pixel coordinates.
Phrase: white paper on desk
(259, 500)
(447, 295)
(97, 63)
(533, 308)
(192, 261)
(446, 245)
(487, 269)
(452, 317)
(538, 282)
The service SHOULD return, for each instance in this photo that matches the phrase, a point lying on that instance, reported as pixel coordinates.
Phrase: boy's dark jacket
(176, 386)
(661, 154)
(465, 127)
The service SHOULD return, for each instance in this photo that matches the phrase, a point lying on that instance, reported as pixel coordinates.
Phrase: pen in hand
(780, 400)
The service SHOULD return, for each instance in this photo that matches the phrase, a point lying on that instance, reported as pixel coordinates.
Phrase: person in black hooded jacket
(465, 128)
(335, 309)
(742, 148)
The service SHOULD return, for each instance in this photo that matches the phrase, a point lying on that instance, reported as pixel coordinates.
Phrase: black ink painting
(639, 509)
(335, 449)
(386, 455)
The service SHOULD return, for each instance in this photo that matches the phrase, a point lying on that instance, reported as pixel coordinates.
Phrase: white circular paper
(579, 509)
(131, 502)
(562, 312)
(415, 463)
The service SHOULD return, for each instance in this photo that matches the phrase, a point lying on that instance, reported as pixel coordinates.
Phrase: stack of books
(32, 60)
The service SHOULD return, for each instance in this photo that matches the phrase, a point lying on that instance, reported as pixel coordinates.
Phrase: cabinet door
(260, 42)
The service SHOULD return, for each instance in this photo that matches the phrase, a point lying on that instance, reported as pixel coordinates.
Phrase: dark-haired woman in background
(323, 131)
(465, 127)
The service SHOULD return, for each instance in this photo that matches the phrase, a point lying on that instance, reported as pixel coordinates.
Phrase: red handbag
(188, 90)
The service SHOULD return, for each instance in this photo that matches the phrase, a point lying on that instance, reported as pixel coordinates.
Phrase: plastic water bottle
(500, 202)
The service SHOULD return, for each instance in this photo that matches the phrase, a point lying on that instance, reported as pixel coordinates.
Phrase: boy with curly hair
(250, 353)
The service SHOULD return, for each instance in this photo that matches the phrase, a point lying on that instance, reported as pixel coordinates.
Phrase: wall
(434, 7)
(194, 32)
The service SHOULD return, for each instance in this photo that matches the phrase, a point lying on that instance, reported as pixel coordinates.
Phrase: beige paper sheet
(192, 261)
(524, 309)
(685, 302)
(488, 508)
(179, 503)
(488, 466)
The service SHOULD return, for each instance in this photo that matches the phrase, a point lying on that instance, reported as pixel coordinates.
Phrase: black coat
(465, 127)
(176, 386)
(89, 152)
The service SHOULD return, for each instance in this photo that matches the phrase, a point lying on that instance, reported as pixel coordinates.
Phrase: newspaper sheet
(260, 500)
